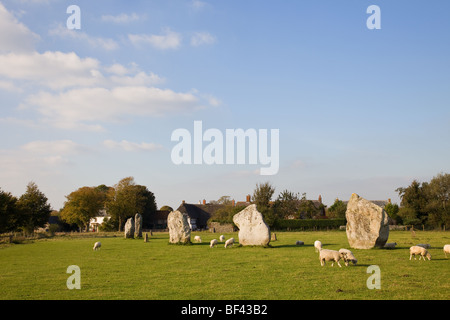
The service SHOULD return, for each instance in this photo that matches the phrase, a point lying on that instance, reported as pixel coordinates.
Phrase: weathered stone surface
(138, 226)
(179, 229)
(253, 231)
(367, 224)
(129, 228)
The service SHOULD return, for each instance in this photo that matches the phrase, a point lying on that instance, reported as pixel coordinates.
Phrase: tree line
(119, 202)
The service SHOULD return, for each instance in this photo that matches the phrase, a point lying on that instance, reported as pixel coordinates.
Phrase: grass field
(131, 269)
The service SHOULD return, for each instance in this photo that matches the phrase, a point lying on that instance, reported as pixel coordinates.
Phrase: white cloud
(202, 38)
(15, 36)
(91, 106)
(121, 18)
(58, 70)
(98, 42)
(131, 146)
(168, 40)
(56, 148)
(53, 69)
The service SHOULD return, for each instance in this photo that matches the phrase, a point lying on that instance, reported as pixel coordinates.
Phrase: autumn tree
(82, 205)
(127, 198)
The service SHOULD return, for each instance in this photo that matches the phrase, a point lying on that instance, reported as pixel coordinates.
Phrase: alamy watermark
(229, 148)
(74, 281)
(374, 281)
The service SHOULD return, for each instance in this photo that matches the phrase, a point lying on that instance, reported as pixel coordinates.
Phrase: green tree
(127, 198)
(337, 210)
(307, 209)
(286, 205)
(82, 205)
(34, 209)
(8, 212)
(262, 195)
(392, 209)
(414, 200)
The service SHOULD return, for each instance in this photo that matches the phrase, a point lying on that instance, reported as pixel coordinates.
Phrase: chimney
(320, 198)
(233, 203)
(183, 202)
(389, 200)
(204, 201)
(248, 198)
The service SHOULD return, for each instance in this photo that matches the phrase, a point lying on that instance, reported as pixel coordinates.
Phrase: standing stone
(367, 224)
(129, 228)
(138, 225)
(253, 231)
(146, 237)
(179, 229)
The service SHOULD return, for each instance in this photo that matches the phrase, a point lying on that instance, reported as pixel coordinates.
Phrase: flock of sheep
(332, 255)
(214, 242)
(347, 255)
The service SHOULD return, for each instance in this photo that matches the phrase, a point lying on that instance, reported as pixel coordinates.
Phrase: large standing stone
(129, 228)
(367, 224)
(138, 225)
(253, 231)
(179, 229)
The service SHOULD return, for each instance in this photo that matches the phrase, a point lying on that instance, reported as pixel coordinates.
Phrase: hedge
(308, 224)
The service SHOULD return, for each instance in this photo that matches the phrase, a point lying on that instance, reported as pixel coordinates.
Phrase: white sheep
(299, 243)
(198, 239)
(229, 242)
(348, 256)
(213, 243)
(424, 245)
(329, 255)
(417, 250)
(390, 245)
(97, 246)
(446, 249)
(222, 238)
(317, 245)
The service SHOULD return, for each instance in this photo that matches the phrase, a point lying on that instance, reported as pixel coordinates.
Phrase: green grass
(132, 269)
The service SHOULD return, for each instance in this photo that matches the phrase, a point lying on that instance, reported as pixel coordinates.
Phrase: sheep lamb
(424, 245)
(97, 246)
(329, 255)
(222, 238)
(348, 256)
(417, 250)
(446, 249)
(299, 243)
(229, 242)
(198, 239)
(213, 243)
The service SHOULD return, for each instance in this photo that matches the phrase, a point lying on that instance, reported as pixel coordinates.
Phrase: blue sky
(359, 110)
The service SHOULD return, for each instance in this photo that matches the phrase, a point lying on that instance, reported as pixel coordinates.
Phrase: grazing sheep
(97, 246)
(299, 243)
(347, 256)
(222, 238)
(446, 249)
(213, 243)
(424, 245)
(329, 255)
(317, 245)
(390, 245)
(417, 250)
(229, 242)
(198, 239)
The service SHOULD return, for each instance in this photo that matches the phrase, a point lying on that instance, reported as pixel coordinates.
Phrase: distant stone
(367, 224)
(253, 231)
(179, 229)
(138, 225)
(129, 228)
(146, 237)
